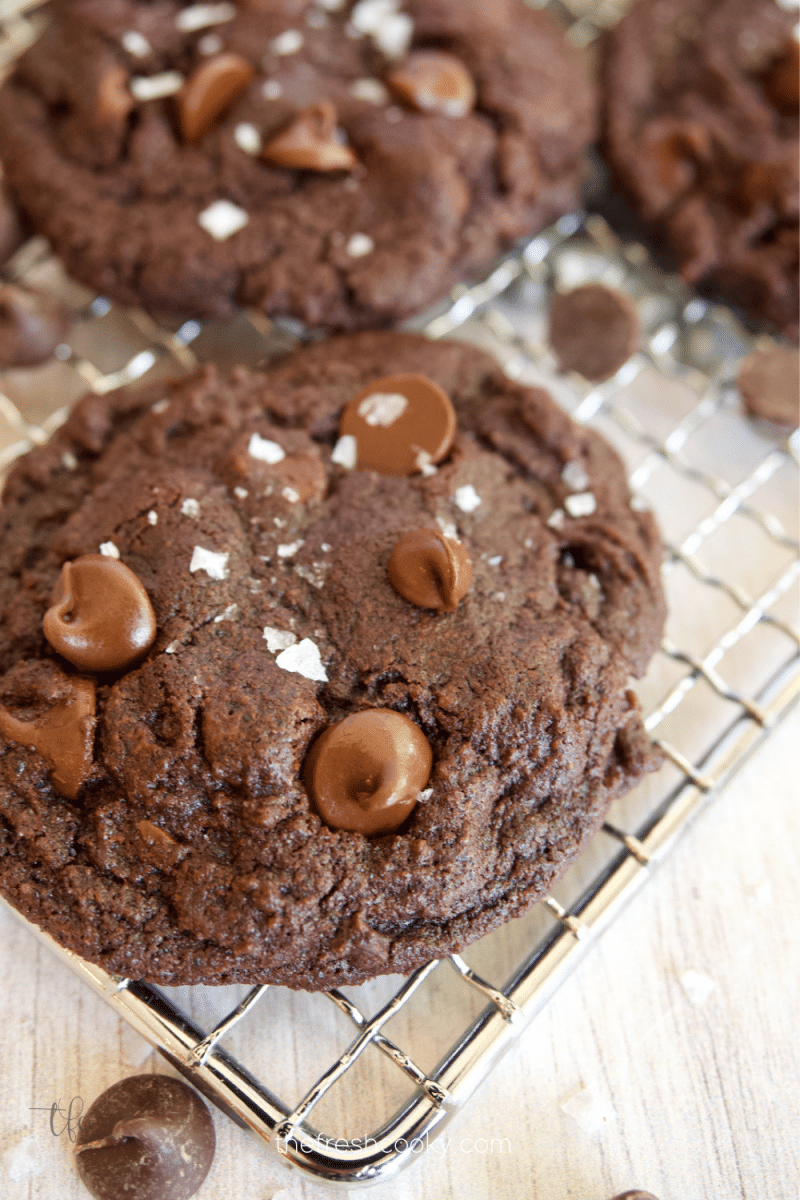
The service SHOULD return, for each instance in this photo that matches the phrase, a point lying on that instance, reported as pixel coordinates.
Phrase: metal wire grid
(687, 342)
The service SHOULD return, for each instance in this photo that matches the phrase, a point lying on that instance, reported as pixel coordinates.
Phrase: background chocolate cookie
(701, 132)
(187, 835)
(344, 163)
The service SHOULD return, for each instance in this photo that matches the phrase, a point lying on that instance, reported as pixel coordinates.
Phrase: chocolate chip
(207, 93)
(147, 1137)
(401, 424)
(769, 383)
(430, 569)
(431, 81)
(593, 330)
(62, 726)
(365, 773)
(635, 1195)
(32, 324)
(100, 617)
(113, 99)
(310, 142)
(782, 80)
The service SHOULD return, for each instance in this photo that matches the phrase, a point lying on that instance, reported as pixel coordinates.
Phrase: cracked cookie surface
(191, 852)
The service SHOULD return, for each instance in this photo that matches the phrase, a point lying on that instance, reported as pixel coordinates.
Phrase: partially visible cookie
(700, 129)
(769, 384)
(344, 163)
(383, 708)
(593, 330)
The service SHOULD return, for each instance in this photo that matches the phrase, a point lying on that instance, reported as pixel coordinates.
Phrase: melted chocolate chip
(593, 331)
(113, 99)
(429, 569)
(148, 1137)
(310, 142)
(431, 81)
(100, 617)
(401, 423)
(769, 383)
(365, 773)
(62, 727)
(32, 324)
(207, 93)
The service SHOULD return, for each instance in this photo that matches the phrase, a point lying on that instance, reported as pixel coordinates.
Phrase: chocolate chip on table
(310, 142)
(593, 330)
(61, 728)
(100, 617)
(208, 91)
(364, 774)
(401, 424)
(769, 383)
(430, 570)
(32, 324)
(148, 1137)
(432, 81)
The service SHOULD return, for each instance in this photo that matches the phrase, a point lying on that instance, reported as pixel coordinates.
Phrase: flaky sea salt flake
(210, 43)
(345, 452)
(214, 563)
(290, 494)
(303, 659)
(555, 520)
(241, 493)
(265, 450)
(200, 16)
(359, 245)
(289, 549)
(370, 90)
(227, 614)
(466, 498)
(582, 504)
(152, 517)
(288, 42)
(109, 550)
(382, 408)
(588, 1110)
(247, 138)
(153, 87)
(68, 461)
(136, 43)
(190, 508)
(574, 476)
(222, 219)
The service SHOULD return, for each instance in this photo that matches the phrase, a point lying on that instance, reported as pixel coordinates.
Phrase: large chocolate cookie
(471, 694)
(701, 132)
(344, 163)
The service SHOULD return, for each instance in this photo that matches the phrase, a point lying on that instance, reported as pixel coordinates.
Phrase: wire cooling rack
(723, 488)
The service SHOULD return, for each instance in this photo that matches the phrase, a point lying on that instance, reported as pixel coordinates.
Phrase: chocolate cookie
(383, 708)
(341, 162)
(701, 132)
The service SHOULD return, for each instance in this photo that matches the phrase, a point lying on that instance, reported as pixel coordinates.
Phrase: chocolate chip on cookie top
(430, 570)
(365, 773)
(399, 424)
(61, 728)
(100, 617)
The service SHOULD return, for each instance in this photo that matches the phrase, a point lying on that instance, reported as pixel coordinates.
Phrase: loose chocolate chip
(782, 80)
(431, 81)
(635, 1195)
(593, 330)
(401, 424)
(100, 617)
(769, 383)
(32, 324)
(310, 142)
(147, 1137)
(365, 773)
(207, 93)
(62, 732)
(429, 569)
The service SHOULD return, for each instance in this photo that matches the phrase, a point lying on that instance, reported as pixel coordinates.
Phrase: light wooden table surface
(684, 1084)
